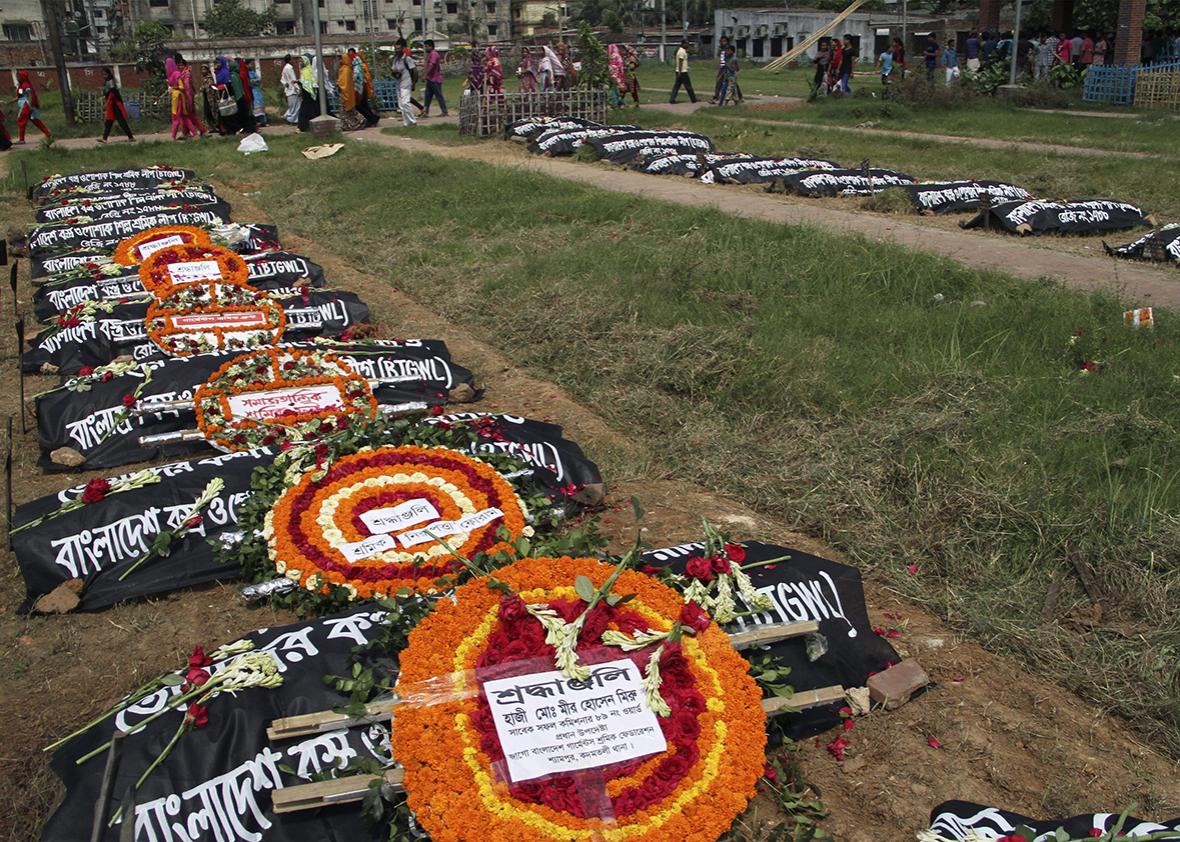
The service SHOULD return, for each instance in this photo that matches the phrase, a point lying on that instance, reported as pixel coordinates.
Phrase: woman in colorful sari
(209, 97)
(630, 74)
(350, 119)
(618, 74)
(255, 77)
(362, 81)
(113, 108)
(172, 77)
(493, 71)
(526, 72)
(28, 107)
(569, 78)
(551, 70)
(309, 107)
(189, 118)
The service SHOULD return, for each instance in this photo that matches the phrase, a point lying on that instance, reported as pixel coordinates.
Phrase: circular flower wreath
(452, 757)
(308, 523)
(269, 370)
(156, 271)
(205, 316)
(128, 251)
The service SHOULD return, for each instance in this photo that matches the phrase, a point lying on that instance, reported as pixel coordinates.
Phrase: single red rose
(199, 658)
(770, 774)
(838, 746)
(512, 609)
(95, 490)
(911, 569)
(736, 553)
(129, 401)
(197, 715)
(197, 677)
(650, 569)
(879, 631)
(193, 522)
(719, 563)
(693, 616)
(107, 375)
(1095, 832)
(1089, 365)
(699, 568)
(848, 725)
(86, 371)
(846, 711)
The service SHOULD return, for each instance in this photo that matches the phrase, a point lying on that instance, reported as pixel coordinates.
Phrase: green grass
(1147, 183)
(812, 376)
(1152, 133)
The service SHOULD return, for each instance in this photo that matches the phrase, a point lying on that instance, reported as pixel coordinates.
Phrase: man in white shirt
(682, 74)
(405, 71)
(291, 90)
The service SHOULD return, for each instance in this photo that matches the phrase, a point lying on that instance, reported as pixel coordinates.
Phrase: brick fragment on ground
(893, 687)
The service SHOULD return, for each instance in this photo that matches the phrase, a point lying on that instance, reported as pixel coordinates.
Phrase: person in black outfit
(113, 108)
(682, 79)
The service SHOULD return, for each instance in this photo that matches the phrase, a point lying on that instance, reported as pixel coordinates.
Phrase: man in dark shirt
(973, 51)
(930, 54)
(846, 61)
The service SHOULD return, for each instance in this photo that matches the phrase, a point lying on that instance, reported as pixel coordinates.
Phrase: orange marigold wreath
(298, 396)
(129, 252)
(310, 523)
(195, 318)
(192, 262)
(452, 757)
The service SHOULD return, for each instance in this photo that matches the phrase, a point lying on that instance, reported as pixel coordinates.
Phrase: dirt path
(1008, 737)
(1141, 282)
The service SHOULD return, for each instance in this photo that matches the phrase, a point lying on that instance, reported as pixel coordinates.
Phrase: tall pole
(51, 10)
(905, 44)
(192, 4)
(684, 19)
(1015, 44)
(663, 27)
(319, 57)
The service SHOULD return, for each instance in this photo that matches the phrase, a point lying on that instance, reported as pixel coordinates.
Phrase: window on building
(98, 14)
(492, 29)
(390, 24)
(18, 32)
(323, 27)
(417, 2)
(491, 8)
(158, 4)
(350, 25)
(285, 27)
(452, 8)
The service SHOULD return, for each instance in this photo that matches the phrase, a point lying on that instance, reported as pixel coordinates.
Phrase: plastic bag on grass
(251, 144)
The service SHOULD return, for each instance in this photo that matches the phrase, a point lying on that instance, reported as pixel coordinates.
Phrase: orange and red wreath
(190, 262)
(310, 524)
(134, 249)
(205, 316)
(452, 756)
(282, 396)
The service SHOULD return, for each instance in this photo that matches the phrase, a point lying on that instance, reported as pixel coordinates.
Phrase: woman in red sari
(28, 107)
(187, 104)
(493, 71)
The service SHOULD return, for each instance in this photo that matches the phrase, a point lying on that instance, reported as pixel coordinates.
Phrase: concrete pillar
(1128, 41)
(989, 15)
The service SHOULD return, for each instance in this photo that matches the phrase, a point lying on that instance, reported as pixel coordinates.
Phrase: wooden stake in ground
(51, 11)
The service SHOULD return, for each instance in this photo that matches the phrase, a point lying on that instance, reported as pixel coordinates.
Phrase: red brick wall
(989, 15)
(1128, 43)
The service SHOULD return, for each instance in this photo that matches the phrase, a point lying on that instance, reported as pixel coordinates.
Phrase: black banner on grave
(1036, 217)
(963, 820)
(1163, 245)
(532, 127)
(277, 272)
(806, 587)
(256, 237)
(143, 178)
(622, 147)
(97, 542)
(848, 182)
(217, 207)
(683, 163)
(93, 423)
(319, 312)
(66, 208)
(762, 170)
(960, 196)
(566, 141)
(107, 235)
(216, 784)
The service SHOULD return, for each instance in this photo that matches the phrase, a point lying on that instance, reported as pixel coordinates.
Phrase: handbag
(226, 105)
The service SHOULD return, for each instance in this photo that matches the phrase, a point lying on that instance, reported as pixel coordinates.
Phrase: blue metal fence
(1116, 85)
(384, 92)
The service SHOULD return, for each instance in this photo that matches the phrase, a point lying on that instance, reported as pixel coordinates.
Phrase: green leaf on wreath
(585, 588)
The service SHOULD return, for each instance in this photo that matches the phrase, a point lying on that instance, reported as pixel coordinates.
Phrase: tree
(595, 72)
(230, 19)
(145, 47)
